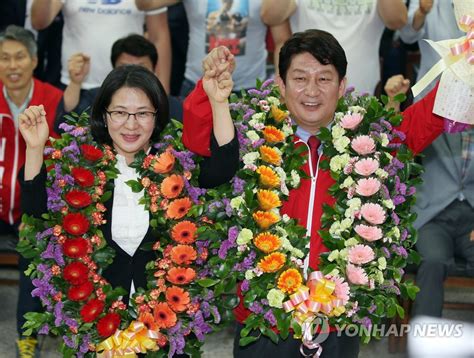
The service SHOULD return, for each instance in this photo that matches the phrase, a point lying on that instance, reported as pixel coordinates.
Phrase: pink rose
(363, 145)
(356, 275)
(366, 166)
(351, 121)
(373, 213)
(369, 233)
(360, 254)
(367, 186)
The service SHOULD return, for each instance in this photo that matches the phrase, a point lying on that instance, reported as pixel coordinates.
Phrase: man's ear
(342, 87)
(281, 85)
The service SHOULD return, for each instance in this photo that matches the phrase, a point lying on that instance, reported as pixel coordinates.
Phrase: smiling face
(16, 65)
(132, 136)
(311, 91)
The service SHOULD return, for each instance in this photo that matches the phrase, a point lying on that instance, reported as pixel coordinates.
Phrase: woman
(129, 114)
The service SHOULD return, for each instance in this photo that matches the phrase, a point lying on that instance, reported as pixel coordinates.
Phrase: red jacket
(420, 125)
(12, 147)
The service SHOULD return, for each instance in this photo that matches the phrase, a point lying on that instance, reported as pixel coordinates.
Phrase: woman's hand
(218, 88)
(34, 127)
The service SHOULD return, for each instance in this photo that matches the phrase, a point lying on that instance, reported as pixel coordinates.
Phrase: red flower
(76, 224)
(91, 153)
(81, 292)
(108, 324)
(75, 248)
(82, 176)
(164, 316)
(75, 273)
(92, 310)
(78, 199)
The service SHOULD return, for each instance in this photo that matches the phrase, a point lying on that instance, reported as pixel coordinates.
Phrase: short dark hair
(320, 44)
(135, 45)
(131, 76)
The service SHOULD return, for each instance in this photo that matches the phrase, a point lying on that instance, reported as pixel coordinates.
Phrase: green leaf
(247, 340)
(135, 185)
(401, 97)
(207, 282)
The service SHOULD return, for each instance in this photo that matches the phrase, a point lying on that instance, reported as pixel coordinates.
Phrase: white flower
(273, 101)
(347, 183)
(388, 155)
(253, 136)
(281, 173)
(259, 117)
(250, 158)
(379, 278)
(351, 242)
(333, 255)
(346, 223)
(236, 202)
(334, 272)
(385, 140)
(338, 162)
(249, 275)
(297, 252)
(382, 263)
(245, 236)
(354, 205)
(343, 254)
(388, 203)
(338, 116)
(287, 129)
(382, 174)
(285, 218)
(275, 298)
(295, 178)
(256, 124)
(341, 144)
(357, 109)
(337, 131)
(335, 229)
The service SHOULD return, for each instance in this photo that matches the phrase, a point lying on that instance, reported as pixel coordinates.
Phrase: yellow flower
(267, 242)
(272, 262)
(268, 199)
(273, 135)
(270, 155)
(278, 114)
(290, 280)
(265, 219)
(268, 178)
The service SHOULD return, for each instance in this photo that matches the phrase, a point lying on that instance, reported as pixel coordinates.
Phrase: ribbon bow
(137, 338)
(466, 46)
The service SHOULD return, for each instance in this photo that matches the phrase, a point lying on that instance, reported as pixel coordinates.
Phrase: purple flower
(400, 251)
(45, 233)
(44, 329)
(247, 263)
(185, 158)
(194, 192)
(254, 92)
(411, 191)
(66, 127)
(267, 83)
(372, 309)
(84, 347)
(258, 143)
(385, 252)
(70, 341)
(377, 127)
(48, 151)
(249, 113)
(245, 285)
(58, 314)
(399, 134)
(237, 185)
(270, 318)
(256, 307)
(216, 314)
(404, 235)
(200, 327)
(386, 124)
(398, 199)
(395, 218)
(177, 344)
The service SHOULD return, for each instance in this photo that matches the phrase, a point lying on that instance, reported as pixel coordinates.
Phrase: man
(131, 50)
(93, 26)
(18, 90)
(358, 26)
(312, 69)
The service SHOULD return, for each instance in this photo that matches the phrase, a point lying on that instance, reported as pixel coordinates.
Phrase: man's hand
(34, 127)
(425, 6)
(218, 88)
(396, 84)
(79, 66)
(215, 60)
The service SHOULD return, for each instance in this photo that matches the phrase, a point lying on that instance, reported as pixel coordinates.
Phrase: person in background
(239, 26)
(357, 25)
(18, 90)
(93, 26)
(133, 49)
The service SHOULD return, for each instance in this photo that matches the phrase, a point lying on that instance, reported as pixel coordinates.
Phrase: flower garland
(368, 230)
(68, 253)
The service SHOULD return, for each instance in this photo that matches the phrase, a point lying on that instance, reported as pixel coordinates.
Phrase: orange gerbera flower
(268, 177)
(183, 254)
(268, 199)
(290, 280)
(181, 275)
(148, 320)
(164, 316)
(171, 186)
(278, 114)
(267, 242)
(178, 208)
(273, 135)
(177, 298)
(272, 262)
(270, 155)
(164, 163)
(265, 219)
(184, 232)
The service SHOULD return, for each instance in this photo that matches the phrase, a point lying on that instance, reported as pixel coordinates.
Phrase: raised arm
(395, 85)
(159, 35)
(274, 12)
(280, 34)
(146, 5)
(43, 12)
(78, 66)
(394, 13)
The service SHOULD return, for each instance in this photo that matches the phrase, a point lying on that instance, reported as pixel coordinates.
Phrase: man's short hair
(135, 45)
(320, 44)
(22, 35)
